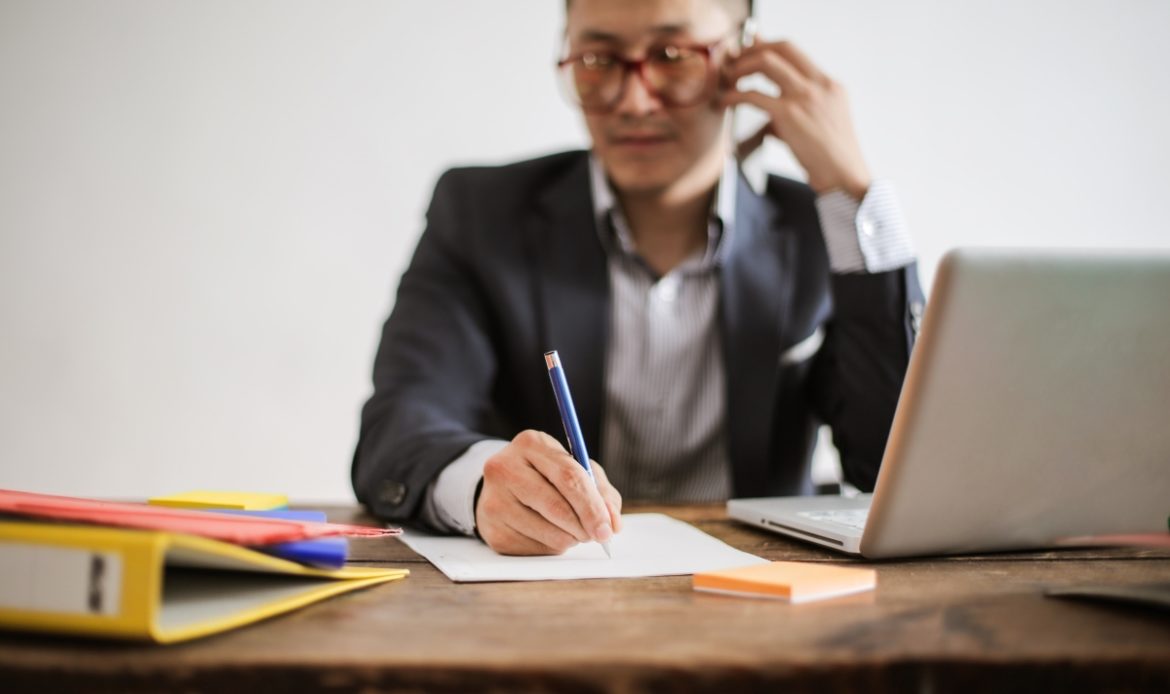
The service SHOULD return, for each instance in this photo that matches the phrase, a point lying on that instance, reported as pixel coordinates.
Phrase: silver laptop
(1036, 408)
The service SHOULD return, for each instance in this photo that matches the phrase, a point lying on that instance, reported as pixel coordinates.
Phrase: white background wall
(205, 204)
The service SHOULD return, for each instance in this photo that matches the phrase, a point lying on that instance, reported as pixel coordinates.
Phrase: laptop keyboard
(851, 517)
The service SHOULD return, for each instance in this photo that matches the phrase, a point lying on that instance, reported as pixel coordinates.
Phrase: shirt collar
(615, 231)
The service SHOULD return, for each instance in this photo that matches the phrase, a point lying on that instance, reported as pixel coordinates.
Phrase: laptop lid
(1032, 411)
(1036, 406)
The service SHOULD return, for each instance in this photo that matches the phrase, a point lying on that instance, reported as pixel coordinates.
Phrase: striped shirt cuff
(450, 499)
(870, 236)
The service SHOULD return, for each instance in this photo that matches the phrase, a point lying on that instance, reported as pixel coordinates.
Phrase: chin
(643, 175)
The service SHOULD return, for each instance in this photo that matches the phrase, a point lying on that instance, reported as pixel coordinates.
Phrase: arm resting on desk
(432, 373)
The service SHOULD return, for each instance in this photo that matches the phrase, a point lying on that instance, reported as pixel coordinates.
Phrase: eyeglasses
(677, 74)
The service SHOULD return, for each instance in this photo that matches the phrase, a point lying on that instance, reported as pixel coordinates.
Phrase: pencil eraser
(787, 580)
(240, 501)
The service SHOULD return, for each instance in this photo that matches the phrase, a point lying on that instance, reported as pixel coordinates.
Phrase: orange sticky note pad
(788, 580)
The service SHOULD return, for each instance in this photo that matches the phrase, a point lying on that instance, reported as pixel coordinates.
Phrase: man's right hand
(536, 499)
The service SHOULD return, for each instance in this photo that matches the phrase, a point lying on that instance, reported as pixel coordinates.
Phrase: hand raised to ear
(811, 115)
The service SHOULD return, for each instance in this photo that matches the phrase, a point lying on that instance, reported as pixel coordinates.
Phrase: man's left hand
(811, 115)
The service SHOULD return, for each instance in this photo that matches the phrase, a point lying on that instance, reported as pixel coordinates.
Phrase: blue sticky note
(323, 552)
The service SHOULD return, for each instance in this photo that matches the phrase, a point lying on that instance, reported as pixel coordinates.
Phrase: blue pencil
(576, 439)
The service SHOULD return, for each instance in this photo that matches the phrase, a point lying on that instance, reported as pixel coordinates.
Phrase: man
(706, 330)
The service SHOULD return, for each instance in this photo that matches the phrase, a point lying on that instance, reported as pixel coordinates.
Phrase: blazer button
(393, 493)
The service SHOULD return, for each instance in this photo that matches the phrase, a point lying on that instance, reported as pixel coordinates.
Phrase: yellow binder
(149, 585)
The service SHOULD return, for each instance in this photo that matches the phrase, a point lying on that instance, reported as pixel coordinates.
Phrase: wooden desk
(932, 625)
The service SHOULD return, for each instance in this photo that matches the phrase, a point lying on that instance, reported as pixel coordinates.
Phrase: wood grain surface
(976, 623)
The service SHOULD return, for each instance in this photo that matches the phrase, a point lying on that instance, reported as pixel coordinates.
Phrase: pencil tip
(608, 551)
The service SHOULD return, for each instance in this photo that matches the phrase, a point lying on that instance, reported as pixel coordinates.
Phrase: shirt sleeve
(866, 236)
(449, 504)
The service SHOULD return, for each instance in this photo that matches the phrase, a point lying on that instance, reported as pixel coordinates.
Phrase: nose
(636, 98)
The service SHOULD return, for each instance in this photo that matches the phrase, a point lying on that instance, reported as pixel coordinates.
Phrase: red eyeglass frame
(637, 67)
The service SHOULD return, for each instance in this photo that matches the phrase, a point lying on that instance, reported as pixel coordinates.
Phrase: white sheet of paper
(650, 544)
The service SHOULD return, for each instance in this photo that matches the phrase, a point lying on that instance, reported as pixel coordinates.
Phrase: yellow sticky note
(788, 580)
(242, 501)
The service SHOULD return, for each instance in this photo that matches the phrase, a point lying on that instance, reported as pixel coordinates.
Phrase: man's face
(644, 145)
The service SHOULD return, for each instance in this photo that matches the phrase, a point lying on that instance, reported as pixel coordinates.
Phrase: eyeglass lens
(676, 75)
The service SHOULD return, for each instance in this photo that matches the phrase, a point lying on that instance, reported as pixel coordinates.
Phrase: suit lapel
(572, 295)
(755, 294)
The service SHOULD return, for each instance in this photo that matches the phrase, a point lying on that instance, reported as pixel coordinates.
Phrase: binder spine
(65, 580)
(79, 580)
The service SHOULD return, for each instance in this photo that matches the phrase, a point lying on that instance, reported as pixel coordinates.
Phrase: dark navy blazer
(510, 265)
